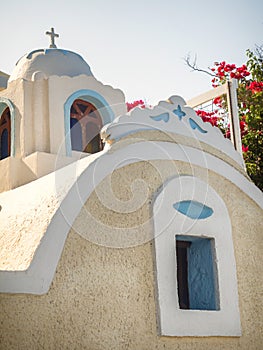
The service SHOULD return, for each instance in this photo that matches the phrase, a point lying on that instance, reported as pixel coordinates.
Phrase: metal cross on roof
(53, 35)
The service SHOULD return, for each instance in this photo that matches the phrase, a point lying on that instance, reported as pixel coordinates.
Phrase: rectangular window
(196, 273)
(195, 262)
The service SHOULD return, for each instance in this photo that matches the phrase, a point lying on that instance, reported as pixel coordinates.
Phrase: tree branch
(194, 67)
(259, 52)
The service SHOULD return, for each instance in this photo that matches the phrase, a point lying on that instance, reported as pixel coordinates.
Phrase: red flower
(255, 86)
(243, 124)
(244, 148)
(227, 134)
(230, 70)
(217, 101)
(243, 127)
(134, 104)
(208, 117)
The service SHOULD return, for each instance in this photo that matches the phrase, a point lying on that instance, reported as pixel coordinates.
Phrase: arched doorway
(85, 125)
(5, 134)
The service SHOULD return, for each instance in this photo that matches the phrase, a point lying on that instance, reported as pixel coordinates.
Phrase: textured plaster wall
(14, 172)
(104, 298)
(39, 102)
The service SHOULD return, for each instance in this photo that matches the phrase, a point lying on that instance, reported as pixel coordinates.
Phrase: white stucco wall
(104, 298)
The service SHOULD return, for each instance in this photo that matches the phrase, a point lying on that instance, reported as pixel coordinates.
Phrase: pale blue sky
(137, 46)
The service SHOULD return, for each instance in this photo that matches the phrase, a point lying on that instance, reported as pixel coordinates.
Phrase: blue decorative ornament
(194, 126)
(193, 209)
(180, 114)
(163, 116)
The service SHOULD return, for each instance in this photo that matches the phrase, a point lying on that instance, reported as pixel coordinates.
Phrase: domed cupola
(47, 62)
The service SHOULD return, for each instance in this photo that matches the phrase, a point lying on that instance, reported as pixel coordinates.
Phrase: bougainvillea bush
(250, 106)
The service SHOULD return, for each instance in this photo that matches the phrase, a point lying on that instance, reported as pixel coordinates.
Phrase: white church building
(120, 230)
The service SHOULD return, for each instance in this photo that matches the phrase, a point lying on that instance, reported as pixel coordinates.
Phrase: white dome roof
(47, 62)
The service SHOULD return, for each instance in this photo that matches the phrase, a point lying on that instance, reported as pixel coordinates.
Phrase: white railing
(230, 90)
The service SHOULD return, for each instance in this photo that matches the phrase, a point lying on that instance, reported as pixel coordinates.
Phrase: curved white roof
(46, 62)
(32, 240)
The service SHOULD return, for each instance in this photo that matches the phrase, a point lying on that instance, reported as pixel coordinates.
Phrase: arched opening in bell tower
(5, 134)
(85, 126)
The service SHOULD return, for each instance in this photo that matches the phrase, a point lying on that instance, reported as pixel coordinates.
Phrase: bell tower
(51, 114)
